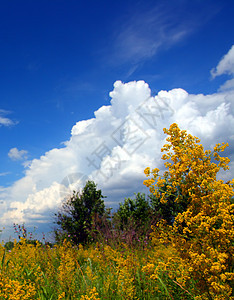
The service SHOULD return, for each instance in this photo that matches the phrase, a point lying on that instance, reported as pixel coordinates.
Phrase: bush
(203, 234)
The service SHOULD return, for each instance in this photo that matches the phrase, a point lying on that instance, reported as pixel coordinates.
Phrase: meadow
(94, 272)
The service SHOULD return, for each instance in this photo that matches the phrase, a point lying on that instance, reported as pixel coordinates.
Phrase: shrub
(203, 234)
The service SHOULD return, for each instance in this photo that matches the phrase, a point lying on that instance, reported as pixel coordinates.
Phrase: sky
(87, 88)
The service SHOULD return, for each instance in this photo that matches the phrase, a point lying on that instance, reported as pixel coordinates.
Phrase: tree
(77, 214)
(133, 219)
(203, 234)
(133, 210)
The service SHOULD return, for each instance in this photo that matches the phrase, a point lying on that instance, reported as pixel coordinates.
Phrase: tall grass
(94, 272)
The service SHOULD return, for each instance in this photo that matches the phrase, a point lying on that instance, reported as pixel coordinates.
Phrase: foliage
(77, 214)
(137, 209)
(169, 208)
(133, 219)
(203, 235)
(9, 245)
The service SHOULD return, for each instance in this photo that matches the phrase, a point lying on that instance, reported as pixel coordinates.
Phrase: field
(95, 272)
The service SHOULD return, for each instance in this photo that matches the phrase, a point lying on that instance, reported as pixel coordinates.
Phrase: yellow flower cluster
(67, 272)
(16, 290)
(203, 235)
(93, 295)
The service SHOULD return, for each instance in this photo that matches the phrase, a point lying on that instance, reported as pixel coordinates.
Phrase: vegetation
(76, 272)
(177, 243)
(78, 213)
(133, 220)
(202, 236)
(169, 208)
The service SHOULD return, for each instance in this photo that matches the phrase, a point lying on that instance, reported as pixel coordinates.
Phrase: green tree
(169, 208)
(137, 210)
(134, 218)
(77, 214)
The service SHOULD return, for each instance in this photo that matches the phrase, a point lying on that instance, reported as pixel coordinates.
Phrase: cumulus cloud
(226, 65)
(4, 121)
(115, 147)
(16, 154)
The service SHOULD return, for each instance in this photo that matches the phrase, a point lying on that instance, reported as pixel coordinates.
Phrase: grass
(94, 272)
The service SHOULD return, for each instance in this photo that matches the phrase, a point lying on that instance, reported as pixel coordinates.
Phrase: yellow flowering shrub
(202, 235)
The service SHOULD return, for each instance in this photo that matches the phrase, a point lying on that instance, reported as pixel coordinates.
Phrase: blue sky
(59, 61)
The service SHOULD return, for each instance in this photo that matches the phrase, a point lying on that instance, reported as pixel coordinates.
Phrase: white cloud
(4, 121)
(140, 34)
(4, 173)
(114, 148)
(34, 207)
(228, 85)
(226, 64)
(16, 154)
